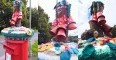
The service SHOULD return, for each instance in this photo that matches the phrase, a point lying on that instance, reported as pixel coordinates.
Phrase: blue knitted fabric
(111, 45)
(91, 40)
(68, 10)
(65, 55)
(57, 46)
(73, 51)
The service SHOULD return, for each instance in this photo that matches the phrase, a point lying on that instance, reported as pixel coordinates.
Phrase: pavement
(2, 51)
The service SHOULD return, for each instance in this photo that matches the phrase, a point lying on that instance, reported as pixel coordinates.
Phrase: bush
(35, 48)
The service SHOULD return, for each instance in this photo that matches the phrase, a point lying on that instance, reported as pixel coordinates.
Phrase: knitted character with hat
(17, 14)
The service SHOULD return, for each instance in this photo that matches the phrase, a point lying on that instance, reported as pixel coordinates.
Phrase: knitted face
(17, 5)
(61, 10)
(95, 34)
(101, 9)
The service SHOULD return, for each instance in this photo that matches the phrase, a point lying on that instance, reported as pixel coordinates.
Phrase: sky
(79, 12)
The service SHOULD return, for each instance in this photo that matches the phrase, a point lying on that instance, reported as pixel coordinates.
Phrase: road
(2, 51)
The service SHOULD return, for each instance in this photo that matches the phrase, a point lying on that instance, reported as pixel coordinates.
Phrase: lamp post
(30, 16)
(30, 50)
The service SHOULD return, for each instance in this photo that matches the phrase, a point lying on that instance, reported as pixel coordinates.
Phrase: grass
(35, 48)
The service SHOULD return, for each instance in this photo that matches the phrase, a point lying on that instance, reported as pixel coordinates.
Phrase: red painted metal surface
(17, 49)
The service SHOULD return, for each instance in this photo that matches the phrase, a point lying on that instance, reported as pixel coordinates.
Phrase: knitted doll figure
(63, 21)
(98, 21)
(17, 14)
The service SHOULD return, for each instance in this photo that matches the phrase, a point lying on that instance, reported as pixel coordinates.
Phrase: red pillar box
(16, 50)
(16, 42)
